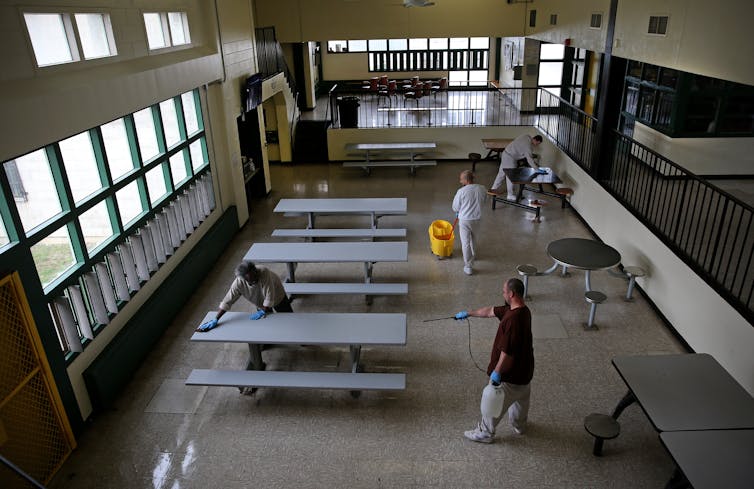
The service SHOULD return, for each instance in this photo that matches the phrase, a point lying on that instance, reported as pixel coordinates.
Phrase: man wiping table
(520, 148)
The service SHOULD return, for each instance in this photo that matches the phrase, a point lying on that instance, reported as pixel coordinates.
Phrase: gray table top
(686, 392)
(586, 254)
(334, 252)
(308, 329)
(715, 458)
(396, 146)
(395, 205)
(525, 175)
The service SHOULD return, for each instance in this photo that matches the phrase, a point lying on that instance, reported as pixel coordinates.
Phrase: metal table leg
(291, 272)
(627, 400)
(588, 276)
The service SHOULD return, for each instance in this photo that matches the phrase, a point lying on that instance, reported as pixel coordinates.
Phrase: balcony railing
(709, 229)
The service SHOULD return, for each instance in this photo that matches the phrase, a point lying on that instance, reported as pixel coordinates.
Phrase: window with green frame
(102, 210)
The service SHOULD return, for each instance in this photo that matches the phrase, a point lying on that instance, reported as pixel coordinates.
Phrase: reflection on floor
(413, 438)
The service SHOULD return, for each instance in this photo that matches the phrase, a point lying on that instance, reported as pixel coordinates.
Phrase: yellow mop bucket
(441, 237)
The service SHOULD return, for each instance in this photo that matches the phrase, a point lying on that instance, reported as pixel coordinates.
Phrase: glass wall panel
(144, 123)
(129, 203)
(156, 183)
(178, 168)
(116, 148)
(189, 113)
(170, 123)
(198, 154)
(80, 165)
(96, 226)
(53, 255)
(36, 196)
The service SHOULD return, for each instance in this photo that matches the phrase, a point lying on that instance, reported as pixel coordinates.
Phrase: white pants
(516, 404)
(506, 161)
(466, 230)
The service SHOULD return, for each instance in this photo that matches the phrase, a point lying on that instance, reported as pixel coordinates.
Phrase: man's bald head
(467, 176)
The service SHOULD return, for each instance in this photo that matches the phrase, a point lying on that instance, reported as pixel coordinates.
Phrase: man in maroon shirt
(511, 365)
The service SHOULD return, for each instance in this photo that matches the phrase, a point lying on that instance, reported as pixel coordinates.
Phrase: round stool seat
(595, 297)
(537, 203)
(634, 271)
(526, 270)
(602, 426)
(475, 156)
(564, 191)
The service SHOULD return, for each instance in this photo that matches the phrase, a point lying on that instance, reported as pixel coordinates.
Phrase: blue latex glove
(495, 378)
(258, 315)
(462, 315)
(207, 326)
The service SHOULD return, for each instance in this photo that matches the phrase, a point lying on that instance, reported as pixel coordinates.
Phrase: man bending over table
(264, 290)
(519, 148)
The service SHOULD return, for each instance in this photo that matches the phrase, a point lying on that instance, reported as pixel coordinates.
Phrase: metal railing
(451, 107)
(709, 229)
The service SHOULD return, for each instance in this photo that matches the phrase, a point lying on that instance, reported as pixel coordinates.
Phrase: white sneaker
(467, 270)
(479, 436)
(514, 198)
(518, 431)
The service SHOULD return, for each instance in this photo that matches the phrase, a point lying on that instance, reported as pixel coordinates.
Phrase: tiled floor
(214, 437)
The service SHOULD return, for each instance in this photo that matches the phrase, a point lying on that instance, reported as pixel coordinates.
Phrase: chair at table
(390, 89)
(442, 86)
(383, 82)
(371, 86)
(415, 94)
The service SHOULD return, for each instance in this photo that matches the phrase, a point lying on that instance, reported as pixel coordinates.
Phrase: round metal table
(585, 254)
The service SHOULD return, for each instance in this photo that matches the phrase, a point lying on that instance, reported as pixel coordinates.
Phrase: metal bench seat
(340, 233)
(308, 288)
(301, 380)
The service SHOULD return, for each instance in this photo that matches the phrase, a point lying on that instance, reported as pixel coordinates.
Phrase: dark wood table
(584, 254)
(495, 146)
(711, 459)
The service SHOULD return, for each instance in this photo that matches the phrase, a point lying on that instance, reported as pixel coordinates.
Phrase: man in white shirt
(468, 204)
(519, 148)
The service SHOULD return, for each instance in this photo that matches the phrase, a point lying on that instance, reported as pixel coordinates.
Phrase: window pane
(156, 183)
(357, 46)
(93, 34)
(378, 44)
(80, 165)
(189, 112)
(53, 255)
(178, 28)
(129, 203)
(478, 77)
(145, 131)
(552, 51)
(458, 78)
(397, 44)
(170, 122)
(459, 43)
(155, 34)
(178, 168)
(337, 46)
(438, 43)
(550, 73)
(48, 38)
(96, 225)
(39, 198)
(117, 149)
(417, 44)
(198, 159)
(479, 42)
